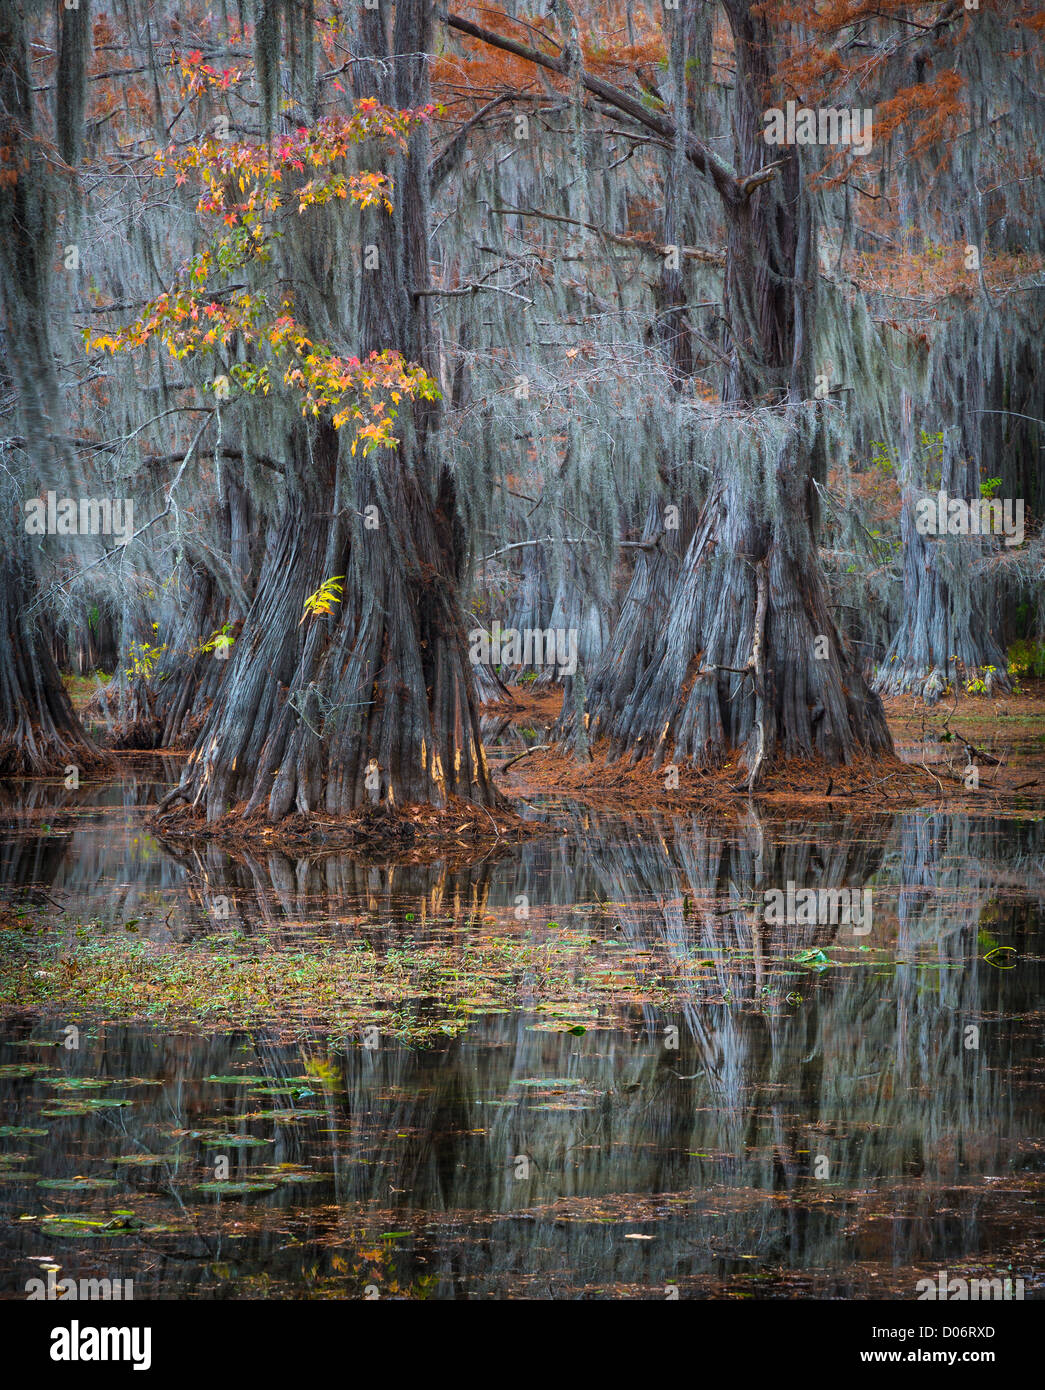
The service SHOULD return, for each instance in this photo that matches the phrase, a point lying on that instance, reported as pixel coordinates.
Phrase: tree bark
(728, 674)
(374, 704)
(39, 731)
(40, 734)
(645, 611)
(944, 636)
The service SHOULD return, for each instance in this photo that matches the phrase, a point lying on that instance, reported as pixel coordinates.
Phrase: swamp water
(584, 1066)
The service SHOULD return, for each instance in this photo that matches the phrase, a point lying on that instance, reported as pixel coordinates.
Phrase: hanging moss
(74, 48)
(28, 211)
(267, 40)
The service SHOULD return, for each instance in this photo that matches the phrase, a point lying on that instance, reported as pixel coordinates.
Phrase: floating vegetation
(234, 1189)
(76, 1083)
(343, 986)
(237, 1080)
(667, 1109)
(144, 1160)
(77, 1184)
(576, 1031)
(551, 1082)
(234, 1141)
(283, 1117)
(288, 1173)
(85, 1107)
(815, 960)
(1002, 957)
(96, 1227)
(300, 1092)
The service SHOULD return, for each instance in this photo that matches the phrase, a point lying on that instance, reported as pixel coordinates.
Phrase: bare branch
(698, 154)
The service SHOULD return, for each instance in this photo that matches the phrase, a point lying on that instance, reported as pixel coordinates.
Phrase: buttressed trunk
(373, 704)
(39, 731)
(946, 634)
(749, 660)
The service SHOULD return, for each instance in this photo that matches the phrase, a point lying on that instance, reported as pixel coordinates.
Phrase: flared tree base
(40, 734)
(749, 666)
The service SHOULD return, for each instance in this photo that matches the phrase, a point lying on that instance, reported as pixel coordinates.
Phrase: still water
(709, 1104)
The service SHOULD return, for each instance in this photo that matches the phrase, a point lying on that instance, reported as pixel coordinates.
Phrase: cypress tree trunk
(374, 704)
(738, 667)
(39, 732)
(166, 709)
(489, 688)
(190, 683)
(945, 632)
(579, 608)
(191, 678)
(532, 601)
(644, 612)
(630, 647)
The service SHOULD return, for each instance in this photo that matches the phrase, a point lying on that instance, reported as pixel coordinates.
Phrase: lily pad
(144, 1160)
(237, 1080)
(21, 1069)
(815, 959)
(74, 1228)
(84, 1107)
(76, 1184)
(282, 1117)
(298, 1177)
(22, 1131)
(76, 1083)
(235, 1189)
(94, 1227)
(551, 1082)
(234, 1141)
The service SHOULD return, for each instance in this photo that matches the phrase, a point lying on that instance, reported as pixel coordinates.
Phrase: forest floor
(457, 832)
(1003, 738)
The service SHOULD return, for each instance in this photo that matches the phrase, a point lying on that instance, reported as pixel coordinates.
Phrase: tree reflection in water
(826, 1125)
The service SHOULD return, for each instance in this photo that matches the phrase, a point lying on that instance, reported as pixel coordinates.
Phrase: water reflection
(812, 1111)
